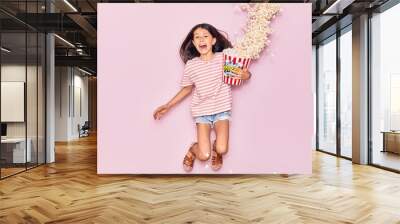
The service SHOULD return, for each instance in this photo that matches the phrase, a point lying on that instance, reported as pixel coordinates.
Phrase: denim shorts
(211, 119)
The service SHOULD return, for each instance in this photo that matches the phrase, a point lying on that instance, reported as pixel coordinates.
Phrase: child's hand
(160, 111)
(241, 73)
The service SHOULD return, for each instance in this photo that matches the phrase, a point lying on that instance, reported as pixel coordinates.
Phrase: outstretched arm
(163, 109)
(185, 91)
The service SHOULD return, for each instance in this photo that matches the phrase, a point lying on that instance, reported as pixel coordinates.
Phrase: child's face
(203, 40)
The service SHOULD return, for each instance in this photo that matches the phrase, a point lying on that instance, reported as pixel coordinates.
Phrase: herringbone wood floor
(70, 191)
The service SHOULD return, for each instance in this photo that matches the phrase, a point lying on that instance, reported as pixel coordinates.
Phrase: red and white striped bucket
(237, 62)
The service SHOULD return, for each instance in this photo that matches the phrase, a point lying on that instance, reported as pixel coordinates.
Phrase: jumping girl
(211, 105)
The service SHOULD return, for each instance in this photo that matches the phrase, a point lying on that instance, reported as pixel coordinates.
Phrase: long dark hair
(189, 51)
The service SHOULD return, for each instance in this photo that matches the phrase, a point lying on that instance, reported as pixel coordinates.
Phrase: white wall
(71, 93)
(15, 72)
(62, 81)
(12, 101)
(80, 84)
(10, 73)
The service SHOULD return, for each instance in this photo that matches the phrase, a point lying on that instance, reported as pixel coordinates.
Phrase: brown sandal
(216, 159)
(189, 159)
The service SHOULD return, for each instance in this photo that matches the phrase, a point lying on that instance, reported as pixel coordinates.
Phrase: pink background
(139, 69)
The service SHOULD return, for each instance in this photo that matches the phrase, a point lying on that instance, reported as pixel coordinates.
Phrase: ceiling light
(326, 11)
(84, 71)
(65, 41)
(337, 7)
(5, 49)
(70, 5)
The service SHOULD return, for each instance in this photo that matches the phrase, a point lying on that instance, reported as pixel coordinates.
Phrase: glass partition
(385, 89)
(346, 93)
(327, 95)
(22, 63)
(13, 103)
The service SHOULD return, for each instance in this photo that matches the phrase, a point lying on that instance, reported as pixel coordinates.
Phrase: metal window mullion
(26, 87)
(45, 95)
(338, 92)
(37, 90)
(369, 90)
(317, 96)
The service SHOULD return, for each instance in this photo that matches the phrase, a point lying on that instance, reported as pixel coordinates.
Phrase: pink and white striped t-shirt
(211, 95)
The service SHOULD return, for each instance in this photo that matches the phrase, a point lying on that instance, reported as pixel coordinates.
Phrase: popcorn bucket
(231, 62)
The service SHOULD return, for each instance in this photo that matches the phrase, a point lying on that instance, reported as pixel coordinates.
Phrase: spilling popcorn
(254, 40)
(233, 60)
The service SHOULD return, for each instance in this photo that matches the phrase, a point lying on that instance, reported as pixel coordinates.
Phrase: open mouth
(203, 46)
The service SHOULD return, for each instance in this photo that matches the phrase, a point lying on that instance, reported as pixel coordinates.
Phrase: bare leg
(222, 132)
(220, 146)
(203, 148)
